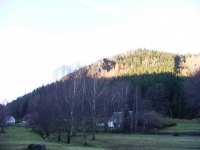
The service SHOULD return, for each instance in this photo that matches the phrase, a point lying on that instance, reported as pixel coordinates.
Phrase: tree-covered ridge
(145, 68)
(144, 61)
(141, 62)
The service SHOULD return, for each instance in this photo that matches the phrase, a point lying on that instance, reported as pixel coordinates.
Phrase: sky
(39, 36)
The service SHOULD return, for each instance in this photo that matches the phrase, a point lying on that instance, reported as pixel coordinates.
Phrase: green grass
(183, 127)
(18, 138)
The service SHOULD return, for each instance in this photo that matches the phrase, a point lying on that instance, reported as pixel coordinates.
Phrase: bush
(152, 120)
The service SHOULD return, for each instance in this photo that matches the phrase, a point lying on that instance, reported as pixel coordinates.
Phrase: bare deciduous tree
(121, 91)
(136, 101)
(83, 116)
(4, 112)
(94, 89)
(46, 112)
(72, 93)
(60, 109)
(107, 107)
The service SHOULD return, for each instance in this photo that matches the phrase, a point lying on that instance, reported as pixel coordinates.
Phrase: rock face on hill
(103, 68)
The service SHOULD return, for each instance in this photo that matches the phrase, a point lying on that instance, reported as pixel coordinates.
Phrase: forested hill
(139, 62)
(166, 80)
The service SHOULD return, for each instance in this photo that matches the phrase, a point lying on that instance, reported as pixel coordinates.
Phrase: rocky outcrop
(108, 64)
(103, 68)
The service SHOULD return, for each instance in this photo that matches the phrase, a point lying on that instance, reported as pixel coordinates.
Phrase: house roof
(25, 118)
(117, 116)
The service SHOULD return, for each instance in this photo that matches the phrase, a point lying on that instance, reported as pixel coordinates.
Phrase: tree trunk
(105, 127)
(72, 121)
(68, 137)
(136, 106)
(72, 131)
(2, 128)
(94, 122)
(75, 130)
(85, 137)
(144, 126)
(93, 132)
(33, 127)
(122, 122)
(59, 136)
(46, 134)
(136, 111)
(132, 117)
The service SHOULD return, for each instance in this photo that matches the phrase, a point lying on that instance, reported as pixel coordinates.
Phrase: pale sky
(38, 36)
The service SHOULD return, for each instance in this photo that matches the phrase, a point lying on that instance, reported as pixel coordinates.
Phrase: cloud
(113, 11)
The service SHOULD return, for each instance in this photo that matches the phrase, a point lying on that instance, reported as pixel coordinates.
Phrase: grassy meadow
(183, 127)
(18, 138)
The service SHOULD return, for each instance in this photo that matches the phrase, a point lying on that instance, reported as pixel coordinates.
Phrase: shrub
(153, 120)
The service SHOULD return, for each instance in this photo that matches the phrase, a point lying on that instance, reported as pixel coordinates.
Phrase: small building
(26, 120)
(100, 124)
(9, 120)
(116, 119)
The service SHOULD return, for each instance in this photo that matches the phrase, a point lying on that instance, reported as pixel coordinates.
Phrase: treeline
(82, 101)
(164, 79)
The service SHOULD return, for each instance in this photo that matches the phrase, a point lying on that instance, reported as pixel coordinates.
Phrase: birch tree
(95, 88)
(136, 101)
(83, 116)
(107, 109)
(60, 108)
(72, 91)
(121, 92)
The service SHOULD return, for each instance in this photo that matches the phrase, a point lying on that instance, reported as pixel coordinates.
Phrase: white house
(9, 120)
(116, 119)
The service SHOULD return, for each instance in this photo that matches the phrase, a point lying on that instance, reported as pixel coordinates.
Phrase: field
(18, 138)
(184, 127)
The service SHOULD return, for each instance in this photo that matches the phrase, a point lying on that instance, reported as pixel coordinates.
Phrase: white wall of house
(9, 120)
(110, 124)
(117, 119)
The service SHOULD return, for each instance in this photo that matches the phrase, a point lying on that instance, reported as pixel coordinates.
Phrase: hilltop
(142, 61)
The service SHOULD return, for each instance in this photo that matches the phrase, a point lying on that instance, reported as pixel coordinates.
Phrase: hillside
(146, 68)
(142, 61)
